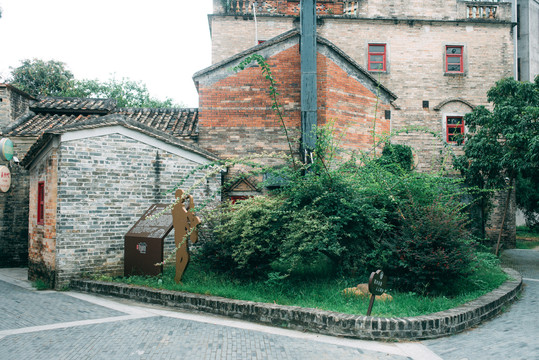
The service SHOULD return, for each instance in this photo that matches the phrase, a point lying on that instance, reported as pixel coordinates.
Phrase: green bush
(358, 213)
(360, 218)
(245, 239)
(433, 248)
(397, 157)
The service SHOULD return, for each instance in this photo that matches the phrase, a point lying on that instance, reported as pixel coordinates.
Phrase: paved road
(68, 325)
(511, 336)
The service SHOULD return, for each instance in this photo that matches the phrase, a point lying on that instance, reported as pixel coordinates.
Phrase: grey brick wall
(12, 105)
(14, 203)
(5, 114)
(104, 185)
(14, 212)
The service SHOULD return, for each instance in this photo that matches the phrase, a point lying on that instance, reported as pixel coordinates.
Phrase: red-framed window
(40, 202)
(454, 59)
(454, 129)
(377, 57)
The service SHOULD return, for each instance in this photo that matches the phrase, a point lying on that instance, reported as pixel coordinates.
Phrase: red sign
(5, 179)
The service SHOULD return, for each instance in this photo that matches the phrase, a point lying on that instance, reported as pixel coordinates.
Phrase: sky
(161, 42)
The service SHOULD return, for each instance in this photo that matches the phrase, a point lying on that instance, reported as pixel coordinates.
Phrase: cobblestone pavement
(511, 336)
(68, 325)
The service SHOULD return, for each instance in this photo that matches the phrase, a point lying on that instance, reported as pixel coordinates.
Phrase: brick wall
(14, 211)
(403, 9)
(13, 103)
(416, 73)
(232, 35)
(415, 60)
(352, 107)
(5, 110)
(236, 116)
(14, 203)
(42, 237)
(104, 185)
(237, 119)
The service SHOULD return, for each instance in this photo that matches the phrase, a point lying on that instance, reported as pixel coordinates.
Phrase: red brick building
(236, 117)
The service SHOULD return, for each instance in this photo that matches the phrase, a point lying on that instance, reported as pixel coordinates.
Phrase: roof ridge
(118, 119)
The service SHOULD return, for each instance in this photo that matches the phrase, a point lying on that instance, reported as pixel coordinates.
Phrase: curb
(331, 323)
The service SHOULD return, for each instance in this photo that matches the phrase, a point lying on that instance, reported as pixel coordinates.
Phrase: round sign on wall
(6, 149)
(5, 178)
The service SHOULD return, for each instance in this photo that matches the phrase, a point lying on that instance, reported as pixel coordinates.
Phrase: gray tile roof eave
(22, 119)
(112, 120)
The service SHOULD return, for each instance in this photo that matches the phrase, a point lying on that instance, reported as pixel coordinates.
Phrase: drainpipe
(515, 38)
(308, 78)
(256, 24)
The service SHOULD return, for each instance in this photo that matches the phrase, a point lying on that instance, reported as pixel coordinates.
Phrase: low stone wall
(324, 322)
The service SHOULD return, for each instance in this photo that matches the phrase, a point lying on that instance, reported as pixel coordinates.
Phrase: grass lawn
(526, 238)
(321, 293)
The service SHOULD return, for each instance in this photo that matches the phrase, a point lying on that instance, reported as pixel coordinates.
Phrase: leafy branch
(276, 106)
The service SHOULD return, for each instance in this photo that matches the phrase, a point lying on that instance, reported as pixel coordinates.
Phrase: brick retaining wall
(324, 322)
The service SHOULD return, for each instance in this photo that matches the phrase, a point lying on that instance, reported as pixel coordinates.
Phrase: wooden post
(371, 304)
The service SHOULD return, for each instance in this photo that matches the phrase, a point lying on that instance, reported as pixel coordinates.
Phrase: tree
(52, 78)
(503, 144)
(46, 78)
(527, 195)
(126, 92)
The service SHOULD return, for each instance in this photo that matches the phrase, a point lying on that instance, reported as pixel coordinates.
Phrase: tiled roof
(71, 105)
(175, 122)
(49, 113)
(110, 120)
(33, 124)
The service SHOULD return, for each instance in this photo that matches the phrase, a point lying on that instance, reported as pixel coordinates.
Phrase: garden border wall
(324, 322)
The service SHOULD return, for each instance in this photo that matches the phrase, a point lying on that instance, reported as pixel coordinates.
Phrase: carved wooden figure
(183, 220)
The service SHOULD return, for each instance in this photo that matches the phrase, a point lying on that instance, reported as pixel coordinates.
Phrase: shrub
(432, 249)
(397, 157)
(361, 218)
(246, 237)
(361, 213)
